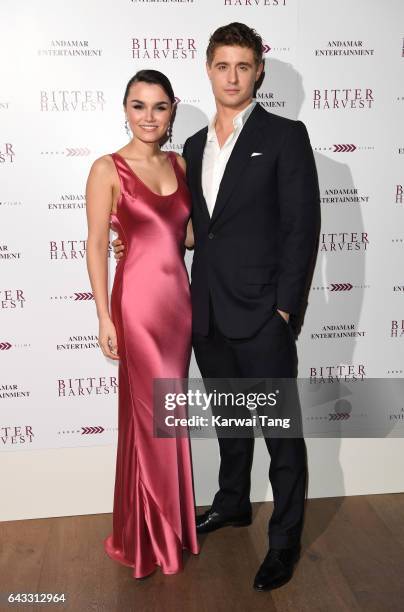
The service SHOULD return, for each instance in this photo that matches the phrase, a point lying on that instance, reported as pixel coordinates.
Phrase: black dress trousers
(270, 353)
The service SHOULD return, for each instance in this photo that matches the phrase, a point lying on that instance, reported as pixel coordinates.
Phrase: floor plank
(353, 560)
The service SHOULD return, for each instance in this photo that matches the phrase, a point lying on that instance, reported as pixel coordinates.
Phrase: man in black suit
(256, 218)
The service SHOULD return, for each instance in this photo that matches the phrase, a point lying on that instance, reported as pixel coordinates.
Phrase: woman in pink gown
(142, 193)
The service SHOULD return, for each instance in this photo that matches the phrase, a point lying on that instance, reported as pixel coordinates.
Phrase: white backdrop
(64, 66)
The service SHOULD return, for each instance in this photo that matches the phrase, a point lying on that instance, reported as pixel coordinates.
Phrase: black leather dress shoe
(211, 520)
(277, 568)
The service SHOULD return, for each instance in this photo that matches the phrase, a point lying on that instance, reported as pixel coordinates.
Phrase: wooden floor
(353, 559)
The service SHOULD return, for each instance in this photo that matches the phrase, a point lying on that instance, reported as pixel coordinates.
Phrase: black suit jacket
(256, 251)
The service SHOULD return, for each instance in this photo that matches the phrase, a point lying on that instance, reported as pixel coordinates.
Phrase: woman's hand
(119, 248)
(107, 339)
(189, 240)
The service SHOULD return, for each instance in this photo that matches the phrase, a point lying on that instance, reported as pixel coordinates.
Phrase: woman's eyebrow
(156, 103)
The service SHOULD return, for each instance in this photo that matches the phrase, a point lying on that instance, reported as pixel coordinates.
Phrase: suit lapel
(239, 158)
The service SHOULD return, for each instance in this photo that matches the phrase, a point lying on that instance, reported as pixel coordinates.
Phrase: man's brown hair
(235, 34)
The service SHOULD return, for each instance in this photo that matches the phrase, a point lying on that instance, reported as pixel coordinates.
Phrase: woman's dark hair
(235, 34)
(153, 77)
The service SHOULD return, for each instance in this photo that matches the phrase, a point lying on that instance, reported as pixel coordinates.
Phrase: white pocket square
(254, 154)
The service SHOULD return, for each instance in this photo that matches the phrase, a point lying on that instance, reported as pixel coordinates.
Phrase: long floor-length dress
(153, 514)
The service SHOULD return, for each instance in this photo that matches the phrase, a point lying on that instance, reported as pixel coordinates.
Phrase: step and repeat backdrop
(337, 66)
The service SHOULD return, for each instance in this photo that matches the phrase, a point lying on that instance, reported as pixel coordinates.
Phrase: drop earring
(128, 130)
(170, 133)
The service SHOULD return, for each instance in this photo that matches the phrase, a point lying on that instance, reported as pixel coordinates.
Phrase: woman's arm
(99, 193)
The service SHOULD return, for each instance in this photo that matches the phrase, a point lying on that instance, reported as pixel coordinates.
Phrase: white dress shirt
(215, 158)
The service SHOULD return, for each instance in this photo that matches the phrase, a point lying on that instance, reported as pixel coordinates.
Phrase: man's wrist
(284, 314)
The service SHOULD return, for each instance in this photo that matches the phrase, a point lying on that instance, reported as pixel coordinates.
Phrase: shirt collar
(238, 121)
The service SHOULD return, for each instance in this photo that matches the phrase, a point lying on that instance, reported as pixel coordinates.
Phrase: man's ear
(208, 69)
(259, 71)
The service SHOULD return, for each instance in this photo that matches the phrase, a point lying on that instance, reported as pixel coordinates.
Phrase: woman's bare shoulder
(103, 171)
(103, 165)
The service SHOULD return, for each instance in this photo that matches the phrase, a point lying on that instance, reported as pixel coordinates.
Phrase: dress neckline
(158, 195)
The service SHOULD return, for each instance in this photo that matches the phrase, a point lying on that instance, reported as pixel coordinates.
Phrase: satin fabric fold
(153, 513)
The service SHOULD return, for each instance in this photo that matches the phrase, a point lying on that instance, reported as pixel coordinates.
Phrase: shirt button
(211, 235)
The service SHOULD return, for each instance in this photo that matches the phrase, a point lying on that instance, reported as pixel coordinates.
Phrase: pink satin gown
(153, 514)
